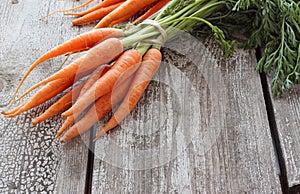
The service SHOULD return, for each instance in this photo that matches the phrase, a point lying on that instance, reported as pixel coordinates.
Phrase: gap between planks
(274, 133)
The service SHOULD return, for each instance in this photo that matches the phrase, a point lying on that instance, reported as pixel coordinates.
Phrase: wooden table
(205, 124)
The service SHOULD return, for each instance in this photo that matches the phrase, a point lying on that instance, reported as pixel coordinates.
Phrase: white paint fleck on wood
(30, 159)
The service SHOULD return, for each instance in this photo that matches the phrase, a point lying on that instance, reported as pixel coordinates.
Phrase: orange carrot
(87, 85)
(99, 72)
(79, 43)
(121, 19)
(150, 64)
(151, 11)
(126, 64)
(102, 106)
(62, 104)
(95, 15)
(47, 92)
(102, 53)
(70, 97)
(128, 7)
(102, 4)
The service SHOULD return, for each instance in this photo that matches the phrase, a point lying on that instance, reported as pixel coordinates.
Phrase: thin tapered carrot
(71, 9)
(102, 4)
(128, 7)
(70, 97)
(101, 108)
(150, 64)
(151, 11)
(126, 64)
(79, 43)
(102, 53)
(62, 104)
(47, 92)
(95, 15)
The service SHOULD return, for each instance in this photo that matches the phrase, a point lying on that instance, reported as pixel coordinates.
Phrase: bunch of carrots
(110, 71)
(115, 68)
(118, 64)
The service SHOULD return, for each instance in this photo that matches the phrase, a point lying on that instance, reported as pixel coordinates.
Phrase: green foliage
(276, 27)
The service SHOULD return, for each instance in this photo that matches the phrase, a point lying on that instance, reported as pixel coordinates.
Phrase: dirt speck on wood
(14, 1)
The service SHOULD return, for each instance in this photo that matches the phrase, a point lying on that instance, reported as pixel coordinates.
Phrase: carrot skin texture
(62, 104)
(102, 4)
(147, 70)
(95, 15)
(101, 108)
(151, 11)
(121, 19)
(69, 98)
(78, 43)
(102, 53)
(100, 71)
(126, 65)
(44, 94)
(128, 7)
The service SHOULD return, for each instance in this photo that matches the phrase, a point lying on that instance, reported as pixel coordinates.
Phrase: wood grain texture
(30, 159)
(201, 127)
(287, 117)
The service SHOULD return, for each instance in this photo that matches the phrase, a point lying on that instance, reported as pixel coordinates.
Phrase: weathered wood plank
(201, 127)
(287, 117)
(30, 159)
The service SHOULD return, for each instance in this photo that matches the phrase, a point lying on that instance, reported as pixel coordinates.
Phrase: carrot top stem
(128, 41)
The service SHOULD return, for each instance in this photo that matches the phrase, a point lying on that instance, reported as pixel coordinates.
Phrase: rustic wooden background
(204, 125)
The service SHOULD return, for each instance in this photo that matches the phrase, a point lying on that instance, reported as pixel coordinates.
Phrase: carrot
(87, 85)
(98, 55)
(70, 97)
(95, 15)
(102, 4)
(126, 64)
(62, 104)
(102, 53)
(47, 92)
(151, 11)
(102, 106)
(128, 7)
(121, 19)
(79, 43)
(71, 9)
(150, 64)
(99, 72)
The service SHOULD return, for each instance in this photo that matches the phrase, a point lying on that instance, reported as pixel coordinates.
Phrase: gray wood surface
(287, 117)
(201, 127)
(30, 159)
